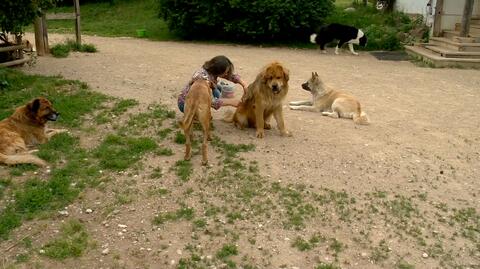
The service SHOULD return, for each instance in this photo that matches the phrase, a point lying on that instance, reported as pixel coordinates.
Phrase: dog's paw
(292, 107)
(354, 53)
(286, 133)
(267, 126)
(260, 134)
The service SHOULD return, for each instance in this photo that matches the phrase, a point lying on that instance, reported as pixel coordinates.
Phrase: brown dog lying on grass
(25, 128)
(262, 100)
(197, 106)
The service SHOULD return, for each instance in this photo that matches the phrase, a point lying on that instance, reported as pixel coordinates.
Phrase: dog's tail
(360, 117)
(21, 158)
(228, 116)
(313, 38)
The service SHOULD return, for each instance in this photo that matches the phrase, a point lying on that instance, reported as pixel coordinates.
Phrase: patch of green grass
(22, 257)
(122, 18)
(200, 223)
(401, 207)
(184, 213)
(404, 265)
(164, 152)
(118, 152)
(156, 173)
(4, 184)
(72, 99)
(123, 105)
(327, 266)
(183, 169)
(62, 50)
(380, 252)
(226, 251)
(179, 138)
(164, 133)
(72, 242)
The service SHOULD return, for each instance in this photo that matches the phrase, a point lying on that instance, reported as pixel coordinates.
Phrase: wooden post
(77, 22)
(437, 18)
(45, 34)
(39, 44)
(467, 15)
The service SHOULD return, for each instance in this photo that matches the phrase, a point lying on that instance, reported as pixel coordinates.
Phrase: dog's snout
(53, 116)
(275, 87)
(305, 86)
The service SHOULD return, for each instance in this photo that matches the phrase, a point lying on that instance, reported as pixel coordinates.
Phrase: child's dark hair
(218, 65)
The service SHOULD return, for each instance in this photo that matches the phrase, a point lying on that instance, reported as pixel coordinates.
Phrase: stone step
(435, 60)
(447, 53)
(474, 28)
(455, 36)
(454, 45)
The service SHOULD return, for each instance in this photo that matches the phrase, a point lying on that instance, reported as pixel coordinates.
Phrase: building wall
(452, 10)
(412, 6)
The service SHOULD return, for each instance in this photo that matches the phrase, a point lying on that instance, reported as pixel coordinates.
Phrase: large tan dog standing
(197, 105)
(262, 100)
(332, 103)
(25, 128)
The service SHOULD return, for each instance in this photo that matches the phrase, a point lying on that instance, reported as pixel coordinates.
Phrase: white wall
(453, 12)
(412, 6)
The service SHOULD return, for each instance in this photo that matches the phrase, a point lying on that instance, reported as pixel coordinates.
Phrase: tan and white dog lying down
(330, 102)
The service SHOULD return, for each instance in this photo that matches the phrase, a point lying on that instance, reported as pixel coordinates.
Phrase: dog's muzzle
(53, 116)
(275, 89)
(305, 87)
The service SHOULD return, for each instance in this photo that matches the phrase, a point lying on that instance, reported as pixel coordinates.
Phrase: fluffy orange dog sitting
(262, 100)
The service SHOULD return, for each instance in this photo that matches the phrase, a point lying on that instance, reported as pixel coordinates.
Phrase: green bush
(261, 20)
(16, 14)
(385, 31)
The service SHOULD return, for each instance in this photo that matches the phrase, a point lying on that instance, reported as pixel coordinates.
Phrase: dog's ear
(34, 105)
(286, 73)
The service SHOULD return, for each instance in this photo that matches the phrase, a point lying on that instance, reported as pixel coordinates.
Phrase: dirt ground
(424, 141)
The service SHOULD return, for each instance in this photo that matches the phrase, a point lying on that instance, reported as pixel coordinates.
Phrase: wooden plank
(16, 62)
(10, 48)
(61, 16)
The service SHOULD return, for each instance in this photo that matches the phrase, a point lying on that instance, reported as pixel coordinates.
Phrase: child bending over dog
(218, 66)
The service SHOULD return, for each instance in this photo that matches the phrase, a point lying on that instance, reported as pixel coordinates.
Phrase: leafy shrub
(385, 31)
(261, 20)
(16, 14)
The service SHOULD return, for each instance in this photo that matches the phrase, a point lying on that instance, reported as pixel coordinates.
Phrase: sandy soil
(424, 139)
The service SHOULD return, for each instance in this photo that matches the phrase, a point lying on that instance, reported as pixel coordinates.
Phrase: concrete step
(455, 36)
(435, 60)
(454, 45)
(447, 53)
(474, 28)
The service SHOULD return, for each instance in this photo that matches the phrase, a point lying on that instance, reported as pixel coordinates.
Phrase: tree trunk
(467, 15)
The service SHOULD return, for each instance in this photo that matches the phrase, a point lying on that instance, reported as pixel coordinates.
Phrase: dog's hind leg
(305, 108)
(299, 103)
(350, 46)
(204, 118)
(333, 114)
